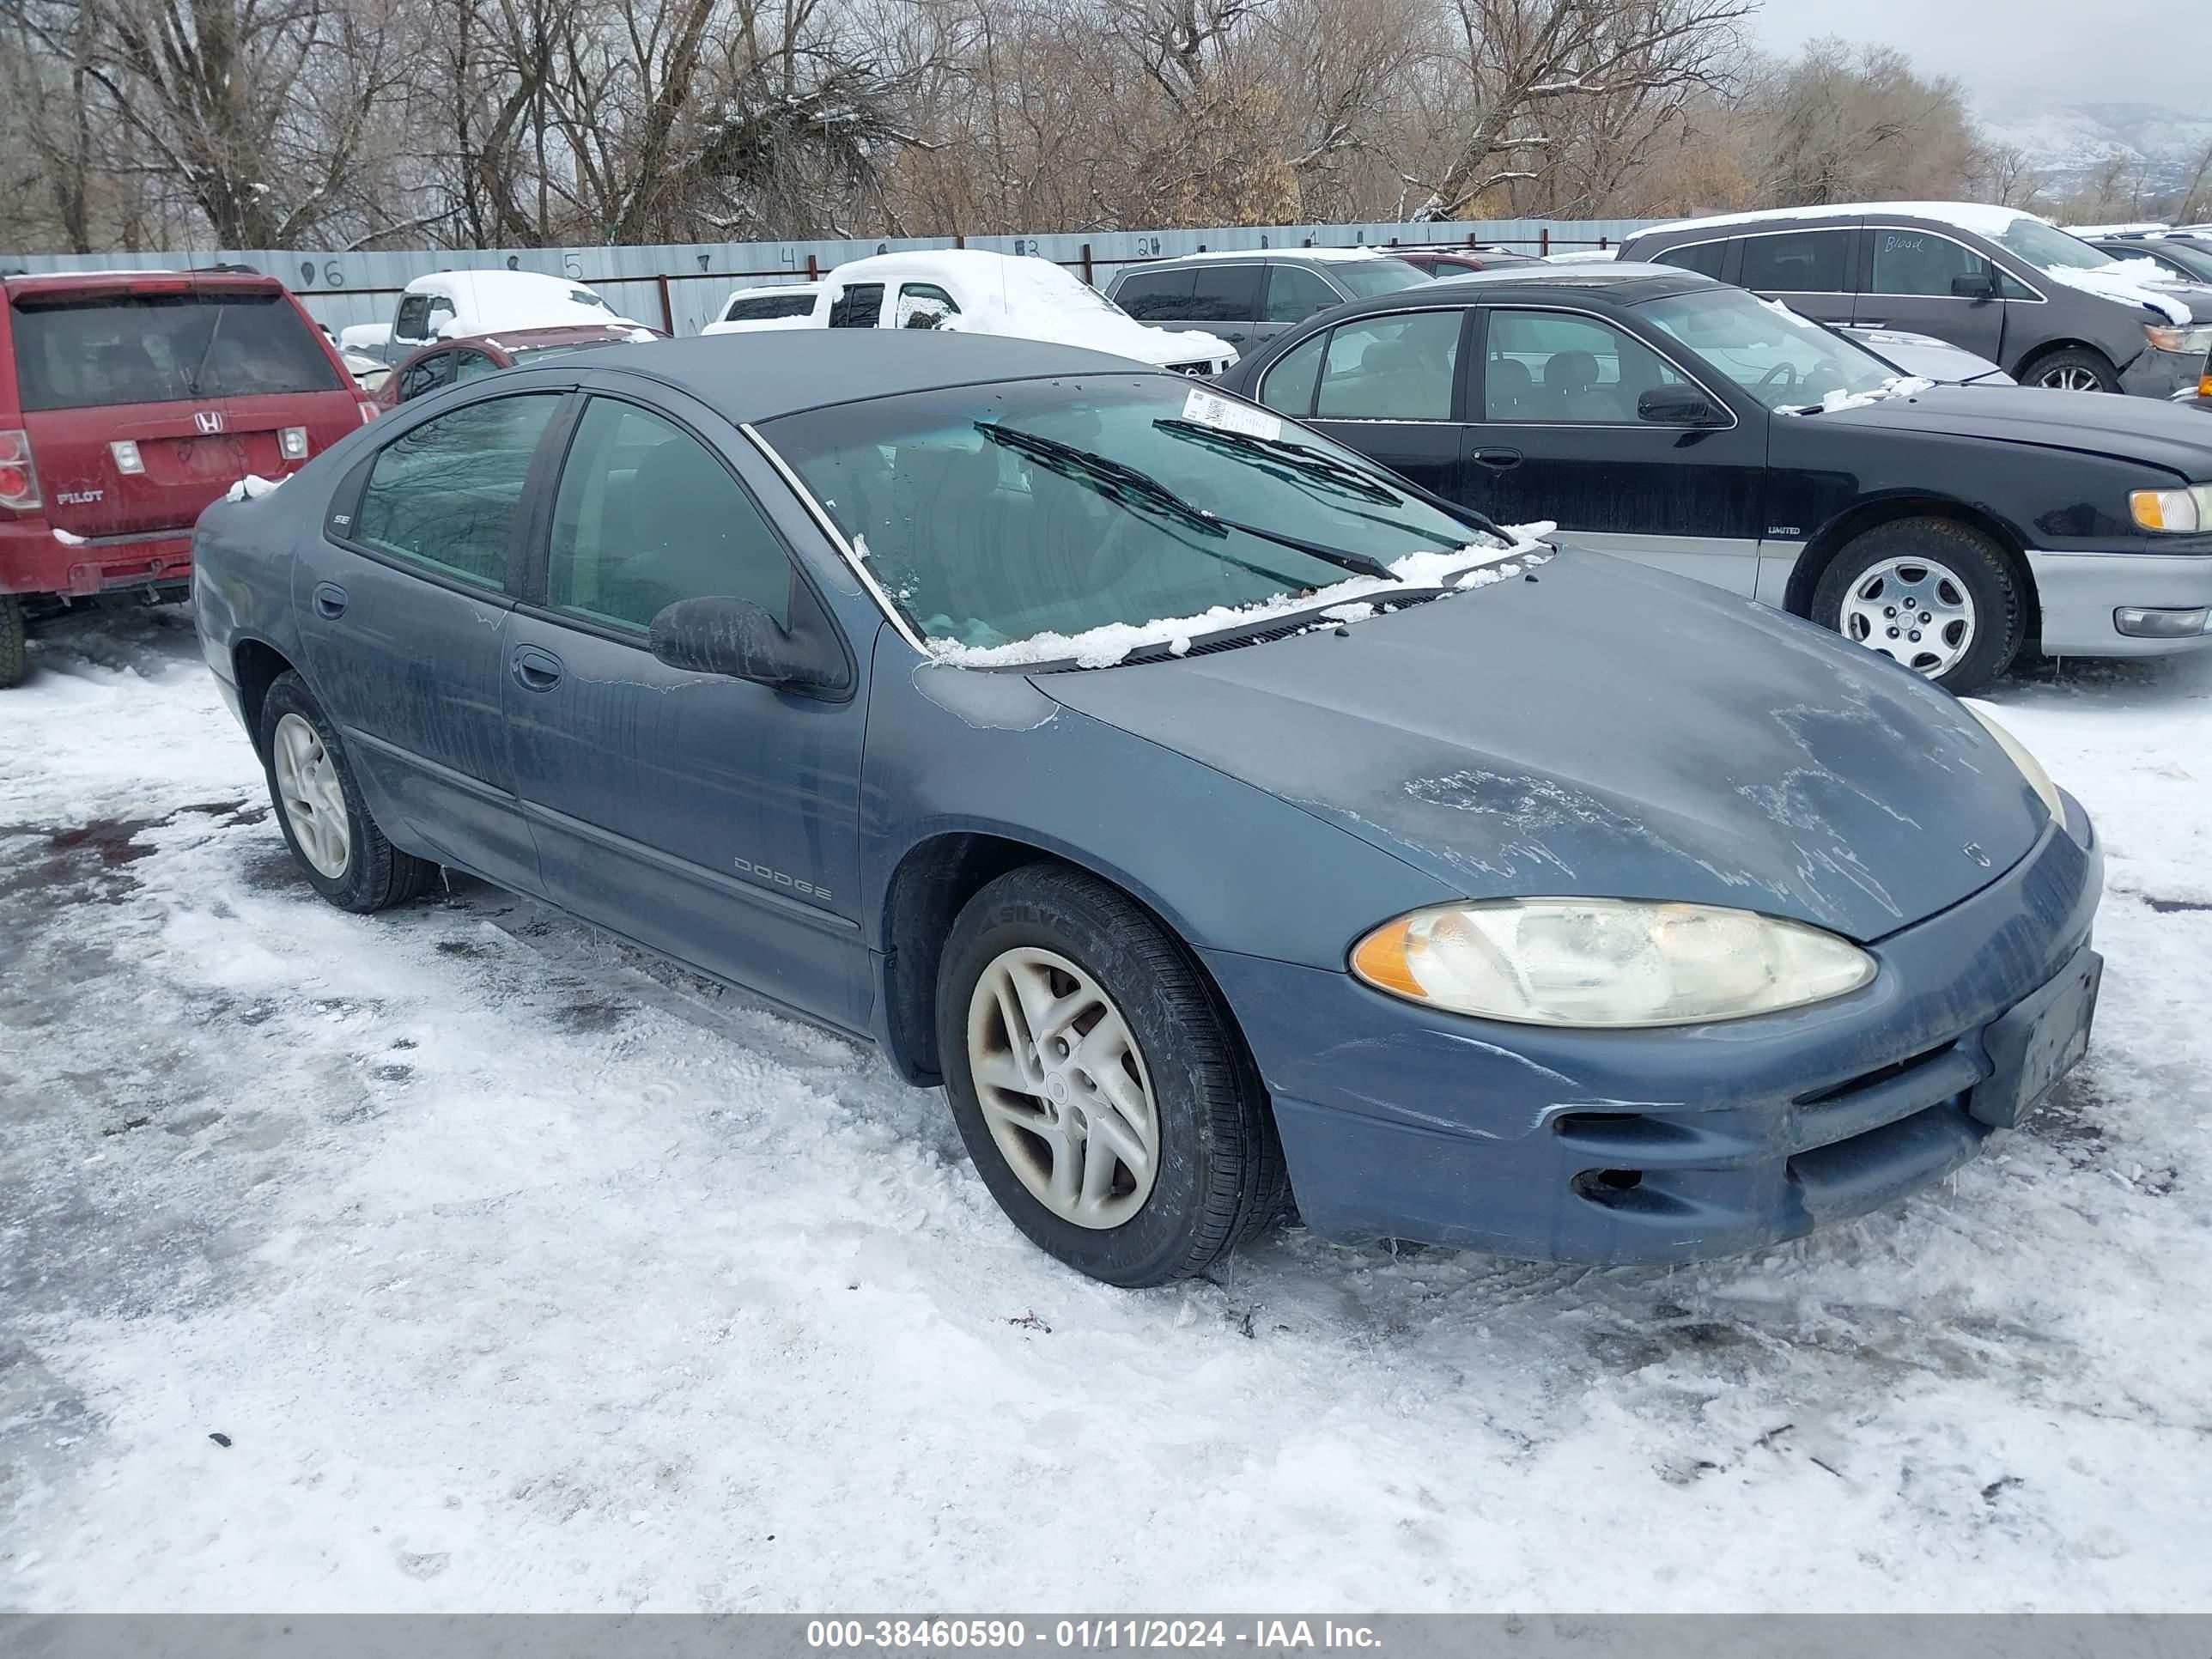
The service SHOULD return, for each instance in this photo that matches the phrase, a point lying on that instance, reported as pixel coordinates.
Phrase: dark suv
(2052, 310)
(129, 400)
(1254, 294)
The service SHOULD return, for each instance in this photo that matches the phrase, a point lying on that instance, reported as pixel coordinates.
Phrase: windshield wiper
(1287, 452)
(1142, 486)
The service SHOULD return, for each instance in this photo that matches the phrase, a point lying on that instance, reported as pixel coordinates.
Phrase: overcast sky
(2154, 52)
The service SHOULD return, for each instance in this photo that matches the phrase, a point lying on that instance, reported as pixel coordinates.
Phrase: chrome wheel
(1912, 610)
(1063, 1088)
(314, 800)
(2070, 377)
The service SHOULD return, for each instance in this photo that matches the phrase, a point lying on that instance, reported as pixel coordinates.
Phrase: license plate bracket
(2037, 1042)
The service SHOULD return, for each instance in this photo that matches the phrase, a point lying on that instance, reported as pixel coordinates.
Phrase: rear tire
(332, 838)
(1958, 574)
(1045, 970)
(15, 646)
(2075, 368)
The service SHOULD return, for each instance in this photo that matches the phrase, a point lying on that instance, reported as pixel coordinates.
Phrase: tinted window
(445, 494)
(924, 305)
(1920, 262)
(773, 305)
(1226, 293)
(1289, 386)
(1554, 366)
(1703, 258)
(857, 307)
(1796, 262)
(1156, 296)
(1294, 294)
(1365, 278)
(1396, 367)
(163, 349)
(413, 321)
(981, 540)
(647, 515)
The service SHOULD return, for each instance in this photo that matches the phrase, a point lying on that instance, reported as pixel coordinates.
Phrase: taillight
(293, 442)
(367, 412)
(19, 478)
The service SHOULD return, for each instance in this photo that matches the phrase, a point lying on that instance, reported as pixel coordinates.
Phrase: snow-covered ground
(522, 1272)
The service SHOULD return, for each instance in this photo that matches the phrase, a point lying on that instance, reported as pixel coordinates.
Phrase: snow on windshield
(1340, 605)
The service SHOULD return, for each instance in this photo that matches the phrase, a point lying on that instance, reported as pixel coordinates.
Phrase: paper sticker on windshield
(1211, 409)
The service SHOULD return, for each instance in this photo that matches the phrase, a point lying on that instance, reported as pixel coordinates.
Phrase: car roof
(1629, 281)
(1978, 218)
(1318, 256)
(758, 377)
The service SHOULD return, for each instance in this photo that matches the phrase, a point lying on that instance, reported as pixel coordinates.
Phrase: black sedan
(1668, 418)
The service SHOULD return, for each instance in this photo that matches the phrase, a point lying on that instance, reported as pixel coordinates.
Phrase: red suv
(129, 400)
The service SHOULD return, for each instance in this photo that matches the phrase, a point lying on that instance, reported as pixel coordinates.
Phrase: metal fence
(682, 286)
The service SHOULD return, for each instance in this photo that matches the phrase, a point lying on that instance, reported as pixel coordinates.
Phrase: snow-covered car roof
(1979, 217)
(488, 302)
(1028, 298)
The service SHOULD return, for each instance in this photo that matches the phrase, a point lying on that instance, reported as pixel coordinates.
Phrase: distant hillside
(2068, 143)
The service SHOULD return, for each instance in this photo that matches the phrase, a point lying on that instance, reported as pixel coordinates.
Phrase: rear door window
(79, 353)
(1398, 368)
(443, 496)
(857, 307)
(1158, 296)
(425, 375)
(1289, 384)
(1226, 293)
(1797, 262)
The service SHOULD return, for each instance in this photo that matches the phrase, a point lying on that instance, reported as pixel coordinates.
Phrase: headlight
(2177, 512)
(2194, 340)
(1611, 962)
(2030, 768)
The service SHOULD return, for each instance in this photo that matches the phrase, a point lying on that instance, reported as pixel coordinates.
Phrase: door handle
(329, 601)
(1498, 459)
(1232, 338)
(535, 670)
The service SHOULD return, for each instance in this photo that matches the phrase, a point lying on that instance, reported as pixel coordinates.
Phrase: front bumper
(2156, 373)
(2080, 595)
(1402, 1123)
(32, 561)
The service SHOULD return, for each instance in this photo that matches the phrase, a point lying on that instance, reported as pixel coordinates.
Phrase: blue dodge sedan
(1218, 816)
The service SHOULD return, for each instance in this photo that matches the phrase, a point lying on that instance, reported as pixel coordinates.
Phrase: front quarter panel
(1227, 866)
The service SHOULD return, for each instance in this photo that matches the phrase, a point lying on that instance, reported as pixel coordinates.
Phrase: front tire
(1102, 1092)
(332, 838)
(1935, 595)
(2077, 368)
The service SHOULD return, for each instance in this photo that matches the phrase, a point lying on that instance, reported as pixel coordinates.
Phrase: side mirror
(738, 638)
(1982, 287)
(1678, 406)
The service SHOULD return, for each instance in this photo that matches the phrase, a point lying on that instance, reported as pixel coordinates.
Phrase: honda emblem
(208, 420)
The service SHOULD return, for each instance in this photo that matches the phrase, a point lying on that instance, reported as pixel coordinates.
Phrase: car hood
(2148, 429)
(1605, 730)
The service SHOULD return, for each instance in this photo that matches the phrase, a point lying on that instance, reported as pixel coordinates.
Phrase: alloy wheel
(1063, 1088)
(1914, 610)
(2070, 377)
(314, 800)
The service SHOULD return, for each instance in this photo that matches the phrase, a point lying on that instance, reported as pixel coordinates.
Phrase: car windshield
(1365, 278)
(2049, 248)
(997, 514)
(1778, 356)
